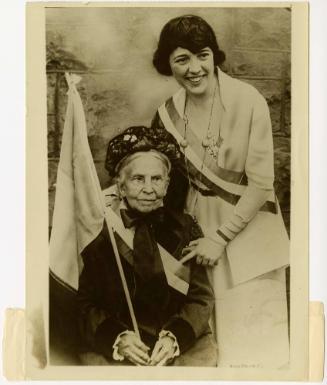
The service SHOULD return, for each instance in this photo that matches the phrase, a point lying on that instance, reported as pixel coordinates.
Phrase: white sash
(263, 246)
(232, 188)
(170, 264)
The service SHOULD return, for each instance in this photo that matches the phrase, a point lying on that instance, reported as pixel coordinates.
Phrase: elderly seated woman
(172, 301)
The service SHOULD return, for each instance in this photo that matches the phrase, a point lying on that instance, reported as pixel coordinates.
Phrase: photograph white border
(37, 208)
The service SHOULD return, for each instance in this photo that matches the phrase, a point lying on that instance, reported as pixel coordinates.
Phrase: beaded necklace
(210, 144)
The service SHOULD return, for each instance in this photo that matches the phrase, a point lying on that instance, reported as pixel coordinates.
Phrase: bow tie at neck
(152, 287)
(132, 218)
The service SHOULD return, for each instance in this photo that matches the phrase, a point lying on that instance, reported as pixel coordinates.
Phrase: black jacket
(103, 311)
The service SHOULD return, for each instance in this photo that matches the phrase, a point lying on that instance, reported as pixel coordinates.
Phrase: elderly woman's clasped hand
(206, 251)
(134, 350)
(163, 351)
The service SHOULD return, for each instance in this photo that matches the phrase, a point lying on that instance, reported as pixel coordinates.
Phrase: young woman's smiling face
(193, 71)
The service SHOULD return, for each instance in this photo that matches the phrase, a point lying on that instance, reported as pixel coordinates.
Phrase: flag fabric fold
(79, 206)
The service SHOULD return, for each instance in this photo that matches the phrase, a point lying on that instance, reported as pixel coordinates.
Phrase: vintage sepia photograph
(169, 146)
(187, 116)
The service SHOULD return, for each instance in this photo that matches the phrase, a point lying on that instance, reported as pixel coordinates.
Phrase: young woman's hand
(206, 251)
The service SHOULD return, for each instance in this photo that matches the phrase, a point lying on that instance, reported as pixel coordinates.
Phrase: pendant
(205, 142)
(220, 141)
(184, 143)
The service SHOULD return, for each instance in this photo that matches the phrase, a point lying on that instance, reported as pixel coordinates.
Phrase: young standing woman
(223, 127)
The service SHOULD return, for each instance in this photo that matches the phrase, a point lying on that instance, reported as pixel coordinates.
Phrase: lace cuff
(115, 355)
(167, 333)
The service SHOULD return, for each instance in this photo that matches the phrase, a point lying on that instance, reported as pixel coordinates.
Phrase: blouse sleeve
(259, 169)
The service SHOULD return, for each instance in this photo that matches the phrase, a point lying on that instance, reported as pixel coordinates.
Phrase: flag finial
(72, 79)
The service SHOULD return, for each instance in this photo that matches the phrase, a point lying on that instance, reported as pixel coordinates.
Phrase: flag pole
(123, 279)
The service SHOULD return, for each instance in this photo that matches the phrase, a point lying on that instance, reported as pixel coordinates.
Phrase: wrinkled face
(144, 182)
(194, 72)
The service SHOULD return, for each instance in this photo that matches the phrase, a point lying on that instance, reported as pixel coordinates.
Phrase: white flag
(79, 207)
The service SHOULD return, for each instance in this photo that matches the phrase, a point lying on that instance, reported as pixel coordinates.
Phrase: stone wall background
(112, 49)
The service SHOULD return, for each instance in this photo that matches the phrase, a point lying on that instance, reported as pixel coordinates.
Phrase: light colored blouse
(247, 147)
(245, 157)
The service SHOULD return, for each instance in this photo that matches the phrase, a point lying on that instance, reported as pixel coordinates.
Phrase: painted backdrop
(112, 49)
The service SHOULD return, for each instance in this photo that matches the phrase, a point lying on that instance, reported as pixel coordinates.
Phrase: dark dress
(103, 311)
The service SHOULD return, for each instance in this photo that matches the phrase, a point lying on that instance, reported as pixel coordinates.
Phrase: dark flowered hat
(138, 139)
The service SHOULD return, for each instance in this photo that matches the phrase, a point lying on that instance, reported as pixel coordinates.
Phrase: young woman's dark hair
(189, 32)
